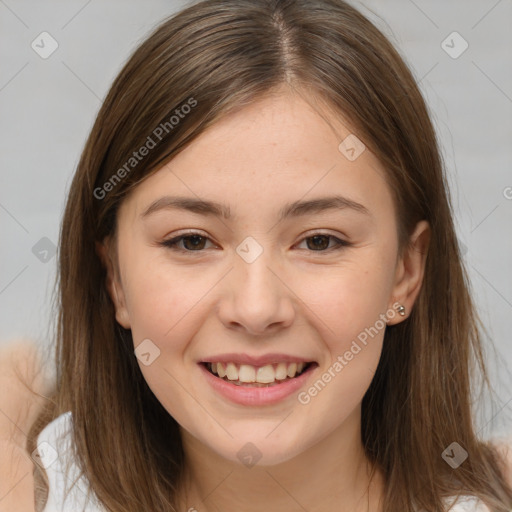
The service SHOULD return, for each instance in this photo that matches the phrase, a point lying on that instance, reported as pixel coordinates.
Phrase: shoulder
(466, 504)
(68, 490)
(503, 446)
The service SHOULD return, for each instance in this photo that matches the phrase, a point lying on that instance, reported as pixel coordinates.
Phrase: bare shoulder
(504, 449)
(20, 372)
(23, 378)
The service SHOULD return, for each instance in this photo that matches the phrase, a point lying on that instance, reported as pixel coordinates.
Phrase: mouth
(269, 375)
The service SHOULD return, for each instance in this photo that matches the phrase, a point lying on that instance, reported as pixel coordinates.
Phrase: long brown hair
(217, 56)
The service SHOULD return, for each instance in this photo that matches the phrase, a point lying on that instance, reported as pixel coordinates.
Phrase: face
(288, 274)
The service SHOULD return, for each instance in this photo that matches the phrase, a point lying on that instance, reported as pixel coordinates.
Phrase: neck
(333, 474)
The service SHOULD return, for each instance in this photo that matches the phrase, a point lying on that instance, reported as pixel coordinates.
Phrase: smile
(262, 376)
(250, 385)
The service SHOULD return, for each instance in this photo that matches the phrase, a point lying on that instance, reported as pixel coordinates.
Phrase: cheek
(348, 299)
(160, 296)
(350, 310)
(166, 308)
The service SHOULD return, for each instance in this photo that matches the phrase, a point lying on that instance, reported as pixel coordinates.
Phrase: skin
(292, 299)
(274, 304)
(20, 366)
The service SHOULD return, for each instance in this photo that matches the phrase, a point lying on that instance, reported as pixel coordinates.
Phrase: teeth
(292, 369)
(263, 375)
(266, 374)
(281, 371)
(231, 371)
(246, 373)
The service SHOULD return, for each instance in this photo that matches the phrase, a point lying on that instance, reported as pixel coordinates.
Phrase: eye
(193, 242)
(320, 242)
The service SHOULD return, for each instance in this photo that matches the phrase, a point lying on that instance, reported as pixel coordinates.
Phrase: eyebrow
(212, 208)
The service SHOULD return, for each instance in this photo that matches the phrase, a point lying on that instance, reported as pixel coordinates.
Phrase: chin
(260, 450)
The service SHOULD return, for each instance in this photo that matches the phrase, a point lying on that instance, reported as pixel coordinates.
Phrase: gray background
(47, 107)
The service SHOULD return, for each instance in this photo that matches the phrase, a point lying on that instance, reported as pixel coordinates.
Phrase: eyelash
(172, 243)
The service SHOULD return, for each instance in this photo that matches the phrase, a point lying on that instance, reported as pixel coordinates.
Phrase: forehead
(267, 154)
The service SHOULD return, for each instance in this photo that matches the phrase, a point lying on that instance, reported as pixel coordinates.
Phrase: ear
(410, 270)
(113, 283)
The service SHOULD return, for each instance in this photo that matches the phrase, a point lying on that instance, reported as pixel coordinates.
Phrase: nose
(257, 297)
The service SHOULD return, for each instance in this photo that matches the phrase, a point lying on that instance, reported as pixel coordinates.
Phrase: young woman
(262, 300)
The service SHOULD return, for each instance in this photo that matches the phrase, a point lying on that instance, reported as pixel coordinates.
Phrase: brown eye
(321, 242)
(194, 242)
(191, 243)
(318, 242)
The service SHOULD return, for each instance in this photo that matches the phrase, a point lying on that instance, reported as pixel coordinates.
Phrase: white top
(54, 447)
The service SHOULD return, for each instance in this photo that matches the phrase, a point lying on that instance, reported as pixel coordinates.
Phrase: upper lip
(255, 360)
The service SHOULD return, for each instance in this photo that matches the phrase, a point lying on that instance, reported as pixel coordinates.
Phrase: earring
(401, 310)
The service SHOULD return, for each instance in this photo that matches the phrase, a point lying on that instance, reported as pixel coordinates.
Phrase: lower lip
(245, 395)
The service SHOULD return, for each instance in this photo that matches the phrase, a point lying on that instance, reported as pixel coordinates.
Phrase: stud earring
(401, 310)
